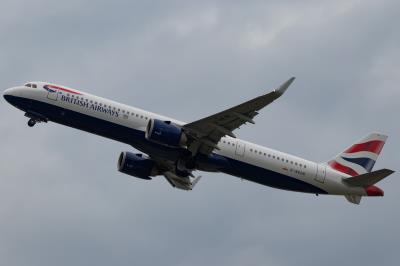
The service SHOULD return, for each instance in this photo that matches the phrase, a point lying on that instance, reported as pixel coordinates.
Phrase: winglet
(281, 90)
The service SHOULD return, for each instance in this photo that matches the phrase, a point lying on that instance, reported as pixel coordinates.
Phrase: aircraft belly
(270, 178)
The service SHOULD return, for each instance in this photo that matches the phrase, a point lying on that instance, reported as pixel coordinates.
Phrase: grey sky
(62, 201)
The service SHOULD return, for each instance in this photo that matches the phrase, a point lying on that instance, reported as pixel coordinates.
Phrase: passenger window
(34, 86)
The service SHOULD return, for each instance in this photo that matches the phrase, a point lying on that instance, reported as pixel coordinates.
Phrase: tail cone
(374, 191)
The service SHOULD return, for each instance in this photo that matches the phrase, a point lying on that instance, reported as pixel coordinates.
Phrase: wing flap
(184, 183)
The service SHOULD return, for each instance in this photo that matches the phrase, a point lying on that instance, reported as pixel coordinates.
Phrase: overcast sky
(62, 200)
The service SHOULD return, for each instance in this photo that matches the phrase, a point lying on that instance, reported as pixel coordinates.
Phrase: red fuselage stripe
(66, 90)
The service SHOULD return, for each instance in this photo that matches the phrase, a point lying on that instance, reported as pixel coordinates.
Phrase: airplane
(175, 149)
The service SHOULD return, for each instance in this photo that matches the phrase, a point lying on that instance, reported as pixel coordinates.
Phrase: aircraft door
(321, 173)
(240, 148)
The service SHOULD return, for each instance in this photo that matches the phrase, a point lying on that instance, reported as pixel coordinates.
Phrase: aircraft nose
(9, 93)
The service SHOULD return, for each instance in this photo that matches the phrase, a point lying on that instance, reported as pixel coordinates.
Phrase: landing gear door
(240, 148)
(321, 173)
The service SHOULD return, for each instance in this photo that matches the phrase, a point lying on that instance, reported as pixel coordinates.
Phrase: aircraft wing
(207, 132)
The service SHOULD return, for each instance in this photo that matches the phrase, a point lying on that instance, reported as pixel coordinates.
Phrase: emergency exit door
(321, 173)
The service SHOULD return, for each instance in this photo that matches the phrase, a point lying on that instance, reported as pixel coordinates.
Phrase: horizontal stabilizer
(368, 179)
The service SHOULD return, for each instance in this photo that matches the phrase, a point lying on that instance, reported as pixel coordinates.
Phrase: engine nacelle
(136, 165)
(165, 133)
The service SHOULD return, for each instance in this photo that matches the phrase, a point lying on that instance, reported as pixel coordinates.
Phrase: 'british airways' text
(91, 106)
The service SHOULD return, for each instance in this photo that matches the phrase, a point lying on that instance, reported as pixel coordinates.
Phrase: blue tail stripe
(366, 163)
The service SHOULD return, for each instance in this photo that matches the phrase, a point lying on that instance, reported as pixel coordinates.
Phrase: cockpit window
(31, 85)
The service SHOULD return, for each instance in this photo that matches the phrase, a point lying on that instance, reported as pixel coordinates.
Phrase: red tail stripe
(374, 146)
(341, 168)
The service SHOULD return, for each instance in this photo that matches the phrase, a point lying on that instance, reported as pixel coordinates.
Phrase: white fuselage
(241, 152)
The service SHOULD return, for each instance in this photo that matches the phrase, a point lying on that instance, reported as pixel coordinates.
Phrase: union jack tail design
(359, 158)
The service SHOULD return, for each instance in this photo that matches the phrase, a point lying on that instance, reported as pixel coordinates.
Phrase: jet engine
(165, 133)
(136, 165)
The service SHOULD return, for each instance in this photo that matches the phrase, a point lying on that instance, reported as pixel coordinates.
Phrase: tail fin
(359, 158)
